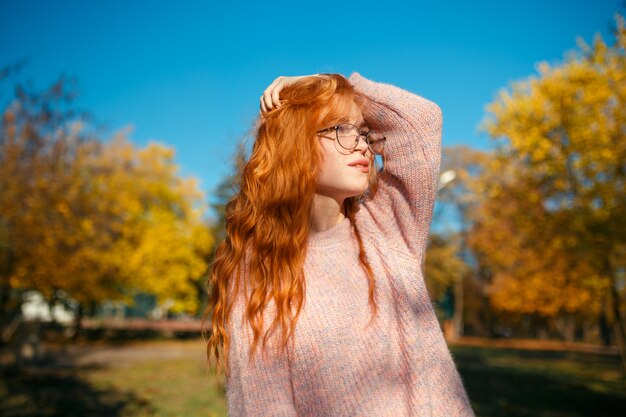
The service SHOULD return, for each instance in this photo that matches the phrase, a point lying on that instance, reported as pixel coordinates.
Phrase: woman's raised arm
(401, 210)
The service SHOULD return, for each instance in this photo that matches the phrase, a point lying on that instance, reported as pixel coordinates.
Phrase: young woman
(318, 301)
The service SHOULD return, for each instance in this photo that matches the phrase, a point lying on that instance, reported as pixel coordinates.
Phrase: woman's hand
(271, 96)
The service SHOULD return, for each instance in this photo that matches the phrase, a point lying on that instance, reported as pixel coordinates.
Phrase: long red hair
(267, 221)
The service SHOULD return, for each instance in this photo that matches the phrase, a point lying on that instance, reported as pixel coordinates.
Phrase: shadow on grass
(54, 391)
(500, 382)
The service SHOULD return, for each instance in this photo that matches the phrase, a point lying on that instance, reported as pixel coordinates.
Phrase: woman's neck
(326, 213)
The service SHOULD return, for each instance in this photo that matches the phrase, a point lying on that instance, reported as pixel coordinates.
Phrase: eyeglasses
(348, 136)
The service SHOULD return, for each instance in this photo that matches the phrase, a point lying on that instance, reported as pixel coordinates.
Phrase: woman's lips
(361, 168)
(362, 165)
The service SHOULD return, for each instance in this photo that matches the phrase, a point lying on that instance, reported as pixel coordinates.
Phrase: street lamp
(453, 329)
(446, 178)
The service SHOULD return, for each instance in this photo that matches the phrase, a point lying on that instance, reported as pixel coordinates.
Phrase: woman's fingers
(267, 98)
(270, 98)
(276, 97)
(263, 109)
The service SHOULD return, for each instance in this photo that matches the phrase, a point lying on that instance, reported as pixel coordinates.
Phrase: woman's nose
(362, 144)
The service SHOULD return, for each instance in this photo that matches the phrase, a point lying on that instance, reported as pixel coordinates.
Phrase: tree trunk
(565, 326)
(618, 324)
(4, 300)
(605, 328)
(457, 318)
(78, 321)
(619, 329)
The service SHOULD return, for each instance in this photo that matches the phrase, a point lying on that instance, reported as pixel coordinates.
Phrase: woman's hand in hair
(271, 96)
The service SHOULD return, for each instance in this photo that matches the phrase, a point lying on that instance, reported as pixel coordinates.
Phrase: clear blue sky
(189, 74)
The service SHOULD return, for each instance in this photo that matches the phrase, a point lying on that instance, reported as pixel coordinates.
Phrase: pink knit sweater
(398, 366)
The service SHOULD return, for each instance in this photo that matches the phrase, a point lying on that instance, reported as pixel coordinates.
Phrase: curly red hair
(267, 221)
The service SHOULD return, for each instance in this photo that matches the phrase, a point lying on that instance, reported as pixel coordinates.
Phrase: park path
(539, 344)
(90, 355)
(124, 354)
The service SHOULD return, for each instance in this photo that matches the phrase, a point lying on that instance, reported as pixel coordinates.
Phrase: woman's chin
(358, 192)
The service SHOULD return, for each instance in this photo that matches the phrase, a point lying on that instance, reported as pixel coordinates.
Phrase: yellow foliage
(99, 220)
(553, 212)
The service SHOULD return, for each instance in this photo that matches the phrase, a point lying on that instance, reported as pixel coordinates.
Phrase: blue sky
(189, 74)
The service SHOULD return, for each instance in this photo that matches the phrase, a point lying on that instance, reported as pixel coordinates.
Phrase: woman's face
(342, 173)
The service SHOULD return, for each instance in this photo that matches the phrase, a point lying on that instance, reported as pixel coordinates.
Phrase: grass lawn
(167, 378)
(170, 379)
(541, 383)
(168, 388)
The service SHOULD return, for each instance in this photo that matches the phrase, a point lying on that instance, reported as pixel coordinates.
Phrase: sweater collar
(333, 236)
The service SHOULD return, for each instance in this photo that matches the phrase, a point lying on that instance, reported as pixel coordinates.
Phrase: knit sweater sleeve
(401, 209)
(260, 387)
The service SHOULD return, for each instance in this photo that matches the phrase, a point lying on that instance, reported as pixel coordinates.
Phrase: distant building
(35, 307)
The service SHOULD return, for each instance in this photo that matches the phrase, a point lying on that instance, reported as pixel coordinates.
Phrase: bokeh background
(120, 122)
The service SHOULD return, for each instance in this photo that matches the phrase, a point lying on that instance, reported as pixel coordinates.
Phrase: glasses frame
(362, 133)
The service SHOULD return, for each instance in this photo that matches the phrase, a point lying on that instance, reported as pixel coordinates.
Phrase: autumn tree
(97, 219)
(38, 140)
(552, 231)
(158, 240)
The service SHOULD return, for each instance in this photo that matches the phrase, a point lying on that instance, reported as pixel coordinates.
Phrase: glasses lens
(376, 141)
(347, 135)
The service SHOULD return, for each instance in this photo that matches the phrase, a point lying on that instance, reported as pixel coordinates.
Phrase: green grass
(524, 383)
(500, 382)
(137, 387)
(167, 388)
